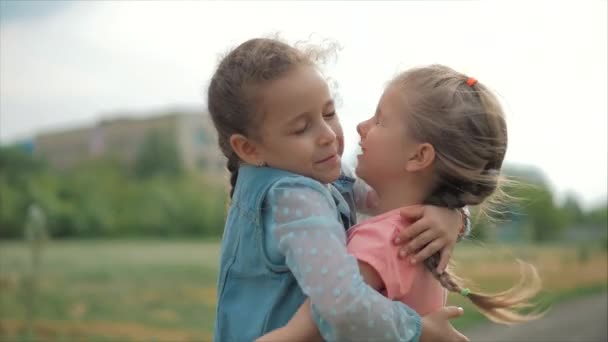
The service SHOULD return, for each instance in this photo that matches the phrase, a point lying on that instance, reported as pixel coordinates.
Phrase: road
(582, 320)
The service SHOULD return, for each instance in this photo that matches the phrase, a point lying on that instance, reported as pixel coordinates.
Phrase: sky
(67, 64)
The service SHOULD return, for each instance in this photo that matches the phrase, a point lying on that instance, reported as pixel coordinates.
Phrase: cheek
(383, 150)
(337, 128)
(340, 144)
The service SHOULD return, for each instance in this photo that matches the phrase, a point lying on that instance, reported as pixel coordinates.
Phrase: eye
(329, 115)
(302, 130)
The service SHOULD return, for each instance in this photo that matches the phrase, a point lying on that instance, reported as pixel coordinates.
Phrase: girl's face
(300, 130)
(385, 145)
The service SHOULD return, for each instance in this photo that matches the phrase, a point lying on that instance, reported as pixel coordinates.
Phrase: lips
(361, 148)
(330, 158)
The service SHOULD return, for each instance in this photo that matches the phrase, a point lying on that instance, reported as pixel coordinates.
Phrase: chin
(359, 171)
(329, 177)
(335, 176)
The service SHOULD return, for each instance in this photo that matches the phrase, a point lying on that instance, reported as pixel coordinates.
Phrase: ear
(245, 149)
(423, 157)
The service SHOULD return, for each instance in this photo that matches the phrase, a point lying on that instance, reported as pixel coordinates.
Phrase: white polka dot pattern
(312, 239)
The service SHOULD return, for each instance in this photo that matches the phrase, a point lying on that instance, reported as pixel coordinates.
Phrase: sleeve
(313, 241)
(365, 197)
(370, 245)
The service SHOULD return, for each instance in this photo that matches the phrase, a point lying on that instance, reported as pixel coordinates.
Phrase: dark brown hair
(466, 126)
(231, 97)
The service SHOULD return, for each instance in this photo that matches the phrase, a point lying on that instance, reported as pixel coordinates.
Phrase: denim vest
(344, 185)
(255, 294)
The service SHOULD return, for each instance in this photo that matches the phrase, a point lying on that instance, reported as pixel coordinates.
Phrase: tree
(598, 216)
(17, 168)
(572, 210)
(158, 155)
(545, 219)
(16, 164)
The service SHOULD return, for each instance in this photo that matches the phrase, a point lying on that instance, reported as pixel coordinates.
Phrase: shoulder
(297, 188)
(299, 184)
(344, 184)
(380, 229)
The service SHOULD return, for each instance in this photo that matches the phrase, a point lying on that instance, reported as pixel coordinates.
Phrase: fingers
(451, 312)
(412, 231)
(456, 336)
(427, 251)
(422, 240)
(460, 337)
(412, 213)
(446, 254)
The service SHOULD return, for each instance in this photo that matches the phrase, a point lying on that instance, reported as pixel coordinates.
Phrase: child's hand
(300, 328)
(435, 229)
(277, 335)
(436, 326)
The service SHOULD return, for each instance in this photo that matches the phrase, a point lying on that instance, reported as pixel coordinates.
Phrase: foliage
(158, 155)
(104, 198)
(99, 199)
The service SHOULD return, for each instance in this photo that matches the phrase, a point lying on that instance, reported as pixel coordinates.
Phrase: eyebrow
(378, 111)
(297, 118)
(330, 102)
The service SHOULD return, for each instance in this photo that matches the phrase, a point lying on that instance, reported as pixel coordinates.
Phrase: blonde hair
(465, 123)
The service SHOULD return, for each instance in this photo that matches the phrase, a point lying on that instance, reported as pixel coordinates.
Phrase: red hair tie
(471, 81)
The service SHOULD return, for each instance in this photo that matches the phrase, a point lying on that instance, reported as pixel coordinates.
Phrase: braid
(445, 279)
(448, 196)
(232, 97)
(465, 124)
(499, 307)
(233, 167)
(455, 192)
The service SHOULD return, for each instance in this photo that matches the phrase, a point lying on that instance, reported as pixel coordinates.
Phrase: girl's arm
(313, 241)
(433, 229)
(301, 327)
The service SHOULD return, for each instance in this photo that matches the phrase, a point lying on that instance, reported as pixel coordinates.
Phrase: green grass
(160, 285)
(564, 274)
(150, 290)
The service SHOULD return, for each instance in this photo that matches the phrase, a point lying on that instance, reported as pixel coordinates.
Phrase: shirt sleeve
(372, 246)
(365, 197)
(310, 236)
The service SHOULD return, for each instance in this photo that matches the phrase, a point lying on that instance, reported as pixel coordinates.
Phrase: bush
(102, 200)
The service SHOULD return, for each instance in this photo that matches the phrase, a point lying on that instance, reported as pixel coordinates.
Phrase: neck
(401, 193)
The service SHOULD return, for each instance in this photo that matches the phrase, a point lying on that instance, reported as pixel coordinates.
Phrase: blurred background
(113, 192)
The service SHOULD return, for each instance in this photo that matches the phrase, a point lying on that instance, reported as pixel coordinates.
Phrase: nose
(327, 136)
(362, 128)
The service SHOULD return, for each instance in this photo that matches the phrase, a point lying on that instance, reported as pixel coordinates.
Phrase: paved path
(581, 320)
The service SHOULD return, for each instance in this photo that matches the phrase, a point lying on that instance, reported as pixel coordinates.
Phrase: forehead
(300, 90)
(393, 100)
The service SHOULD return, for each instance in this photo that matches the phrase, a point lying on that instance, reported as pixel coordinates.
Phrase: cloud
(80, 60)
(13, 10)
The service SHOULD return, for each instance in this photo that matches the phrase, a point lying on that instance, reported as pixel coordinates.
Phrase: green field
(165, 291)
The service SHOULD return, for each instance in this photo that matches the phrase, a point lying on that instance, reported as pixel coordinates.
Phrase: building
(121, 138)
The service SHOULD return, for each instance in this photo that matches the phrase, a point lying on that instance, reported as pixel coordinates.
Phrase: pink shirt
(371, 242)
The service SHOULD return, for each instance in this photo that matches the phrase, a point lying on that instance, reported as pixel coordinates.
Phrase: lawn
(165, 291)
